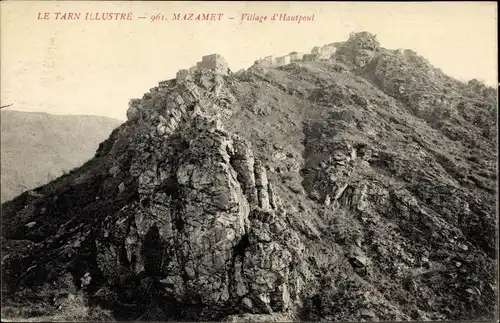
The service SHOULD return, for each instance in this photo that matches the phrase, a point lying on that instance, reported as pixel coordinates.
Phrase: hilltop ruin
(213, 62)
(218, 64)
(318, 52)
(362, 46)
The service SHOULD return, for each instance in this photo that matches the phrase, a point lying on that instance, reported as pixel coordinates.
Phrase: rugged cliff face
(360, 187)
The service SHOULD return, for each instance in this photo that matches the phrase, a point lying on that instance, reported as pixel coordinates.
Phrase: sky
(95, 66)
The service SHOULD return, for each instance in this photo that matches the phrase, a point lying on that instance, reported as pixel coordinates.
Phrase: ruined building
(267, 61)
(219, 65)
(270, 61)
(214, 62)
(316, 50)
(327, 51)
(182, 75)
(296, 56)
(283, 60)
(324, 52)
(309, 57)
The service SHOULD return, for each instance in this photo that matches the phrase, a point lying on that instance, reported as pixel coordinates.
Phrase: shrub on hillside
(75, 308)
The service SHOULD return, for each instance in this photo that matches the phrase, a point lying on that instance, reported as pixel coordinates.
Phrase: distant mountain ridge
(38, 147)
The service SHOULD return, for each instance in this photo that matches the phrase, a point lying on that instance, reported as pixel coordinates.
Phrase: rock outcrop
(208, 235)
(204, 223)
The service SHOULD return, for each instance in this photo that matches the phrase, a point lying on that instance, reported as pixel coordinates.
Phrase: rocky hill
(358, 187)
(38, 147)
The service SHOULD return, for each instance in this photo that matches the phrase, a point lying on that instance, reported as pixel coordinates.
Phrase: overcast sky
(95, 67)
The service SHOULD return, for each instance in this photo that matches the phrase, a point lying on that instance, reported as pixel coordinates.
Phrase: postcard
(249, 161)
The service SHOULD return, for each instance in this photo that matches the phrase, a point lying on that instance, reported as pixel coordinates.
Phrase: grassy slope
(307, 111)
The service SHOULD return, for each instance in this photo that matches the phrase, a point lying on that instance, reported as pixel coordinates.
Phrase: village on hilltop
(324, 52)
(219, 65)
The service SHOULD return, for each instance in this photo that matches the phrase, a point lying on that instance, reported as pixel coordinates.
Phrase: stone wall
(324, 52)
(268, 61)
(182, 75)
(309, 57)
(163, 84)
(296, 56)
(217, 63)
(316, 50)
(327, 51)
(214, 62)
(283, 60)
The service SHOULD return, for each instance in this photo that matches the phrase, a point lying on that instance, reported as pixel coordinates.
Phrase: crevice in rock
(240, 248)
(179, 224)
(152, 251)
(171, 188)
(146, 202)
(238, 252)
(233, 160)
(185, 276)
